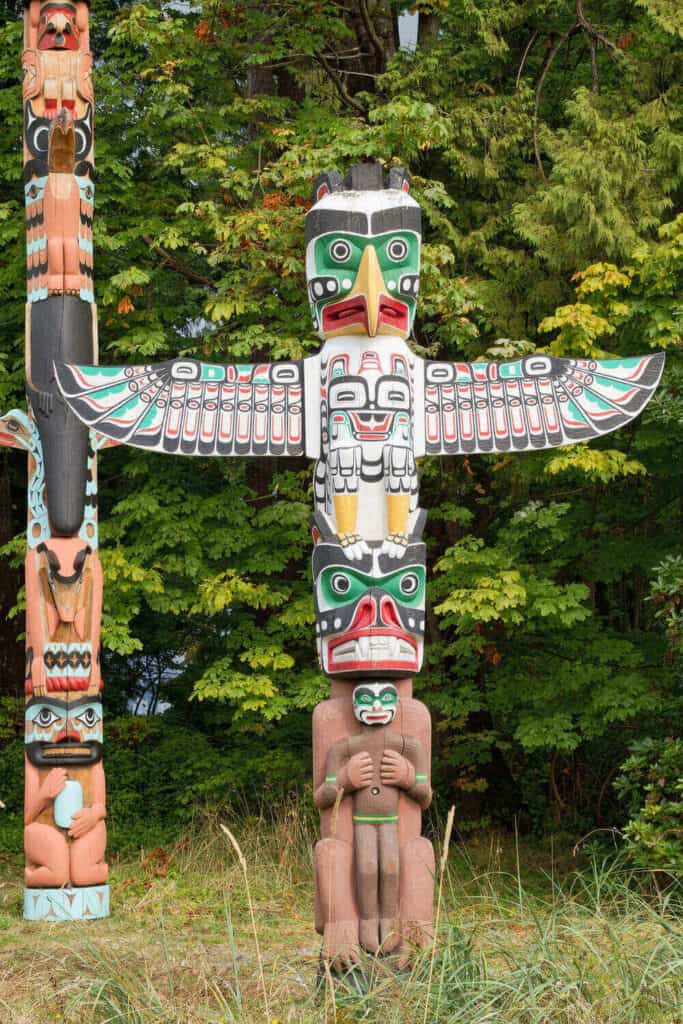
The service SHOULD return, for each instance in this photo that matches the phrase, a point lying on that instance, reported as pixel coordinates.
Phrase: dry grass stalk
(442, 870)
(245, 872)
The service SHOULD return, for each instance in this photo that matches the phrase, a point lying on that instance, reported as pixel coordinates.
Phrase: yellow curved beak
(370, 283)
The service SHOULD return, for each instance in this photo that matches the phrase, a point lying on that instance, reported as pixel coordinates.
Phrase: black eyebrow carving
(397, 218)
(320, 222)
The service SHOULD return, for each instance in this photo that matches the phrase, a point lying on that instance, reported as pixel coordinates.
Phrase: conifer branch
(552, 53)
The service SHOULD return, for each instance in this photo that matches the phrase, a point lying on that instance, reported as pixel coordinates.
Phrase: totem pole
(365, 408)
(64, 805)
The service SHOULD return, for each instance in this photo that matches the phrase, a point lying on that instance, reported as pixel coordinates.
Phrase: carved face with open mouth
(369, 614)
(363, 255)
(375, 703)
(63, 731)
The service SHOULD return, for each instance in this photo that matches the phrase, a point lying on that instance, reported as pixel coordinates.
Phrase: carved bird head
(363, 253)
(61, 147)
(58, 27)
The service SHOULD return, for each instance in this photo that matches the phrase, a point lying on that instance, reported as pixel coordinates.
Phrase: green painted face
(360, 284)
(338, 586)
(375, 703)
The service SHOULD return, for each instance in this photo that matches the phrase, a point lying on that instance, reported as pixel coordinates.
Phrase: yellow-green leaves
(595, 464)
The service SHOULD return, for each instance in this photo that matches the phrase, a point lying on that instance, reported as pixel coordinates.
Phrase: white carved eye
(89, 718)
(397, 250)
(46, 718)
(409, 584)
(340, 583)
(340, 250)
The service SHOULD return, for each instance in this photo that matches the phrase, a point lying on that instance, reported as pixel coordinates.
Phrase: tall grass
(514, 946)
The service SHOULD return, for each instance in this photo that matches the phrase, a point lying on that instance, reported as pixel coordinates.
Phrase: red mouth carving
(67, 737)
(354, 651)
(393, 313)
(369, 431)
(346, 313)
(354, 310)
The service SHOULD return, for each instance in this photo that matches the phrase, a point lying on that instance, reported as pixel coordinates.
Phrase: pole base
(84, 903)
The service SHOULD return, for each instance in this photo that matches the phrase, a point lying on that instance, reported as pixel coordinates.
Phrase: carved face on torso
(375, 703)
(369, 395)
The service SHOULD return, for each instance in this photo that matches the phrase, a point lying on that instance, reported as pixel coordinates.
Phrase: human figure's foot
(390, 934)
(369, 934)
(340, 944)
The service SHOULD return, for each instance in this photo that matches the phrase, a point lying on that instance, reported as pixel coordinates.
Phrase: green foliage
(651, 785)
(549, 184)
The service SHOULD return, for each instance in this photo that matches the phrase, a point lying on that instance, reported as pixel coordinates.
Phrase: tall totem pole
(365, 408)
(64, 806)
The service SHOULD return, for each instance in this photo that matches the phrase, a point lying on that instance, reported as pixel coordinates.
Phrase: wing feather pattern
(536, 402)
(192, 408)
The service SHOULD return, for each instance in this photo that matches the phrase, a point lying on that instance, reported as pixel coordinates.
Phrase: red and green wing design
(537, 402)
(192, 408)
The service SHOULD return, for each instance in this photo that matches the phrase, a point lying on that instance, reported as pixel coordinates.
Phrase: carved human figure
(373, 766)
(346, 914)
(64, 798)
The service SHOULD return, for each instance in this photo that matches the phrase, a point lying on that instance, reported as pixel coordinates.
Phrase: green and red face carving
(363, 255)
(375, 703)
(369, 614)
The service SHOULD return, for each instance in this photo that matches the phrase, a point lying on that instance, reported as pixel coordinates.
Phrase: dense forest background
(545, 142)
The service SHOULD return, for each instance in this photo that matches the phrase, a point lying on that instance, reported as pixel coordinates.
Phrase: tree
(544, 141)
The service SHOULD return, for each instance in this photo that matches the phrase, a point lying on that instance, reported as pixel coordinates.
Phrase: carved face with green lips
(363, 254)
(375, 703)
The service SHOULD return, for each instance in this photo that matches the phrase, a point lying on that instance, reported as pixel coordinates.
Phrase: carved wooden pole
(64, 806)
(365, 407)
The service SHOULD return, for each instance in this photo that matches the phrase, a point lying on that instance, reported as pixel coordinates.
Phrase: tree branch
(532, 39)
(594, 64)
(175, 264)
(372, 34)
(591, 31)
(342, 91)
(539, 89)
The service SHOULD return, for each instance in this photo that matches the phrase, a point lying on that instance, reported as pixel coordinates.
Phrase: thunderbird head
(363, 253)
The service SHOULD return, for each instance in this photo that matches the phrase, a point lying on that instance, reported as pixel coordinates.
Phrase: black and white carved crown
(370, 177)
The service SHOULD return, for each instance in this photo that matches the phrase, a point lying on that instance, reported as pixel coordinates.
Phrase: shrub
(651, 784)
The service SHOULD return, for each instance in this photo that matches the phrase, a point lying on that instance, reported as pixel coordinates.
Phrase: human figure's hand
(360, 770)
(83, 821)
(396, 770)
(54, 783)
(38, 681)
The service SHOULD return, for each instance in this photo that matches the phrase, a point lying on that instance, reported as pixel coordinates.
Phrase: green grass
(525, 938)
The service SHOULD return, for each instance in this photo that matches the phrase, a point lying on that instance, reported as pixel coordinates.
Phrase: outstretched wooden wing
(192, 408)
(536, 402)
